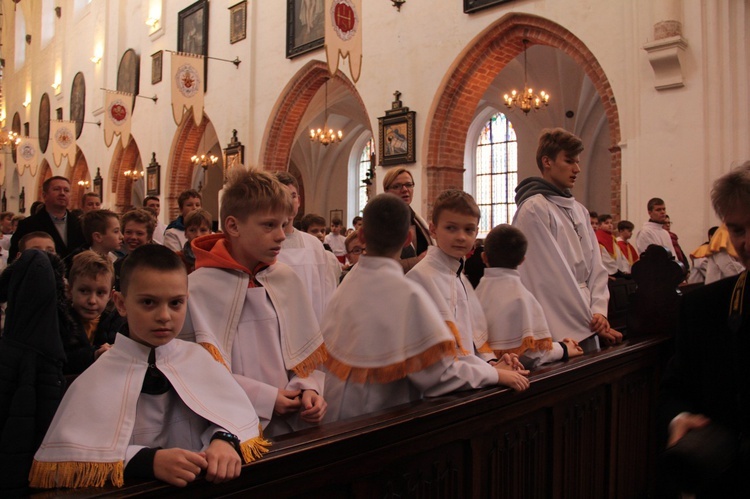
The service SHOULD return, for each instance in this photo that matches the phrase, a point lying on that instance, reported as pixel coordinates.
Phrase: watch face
(44, 117)
(78, 102)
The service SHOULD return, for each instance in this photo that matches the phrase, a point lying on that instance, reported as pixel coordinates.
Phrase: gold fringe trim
(528, 343)
(486, 348)
(214, 353)
(720, 241)
(254, 448)
(393, 372)
(307, 366)
(73, 474)
(457, 336)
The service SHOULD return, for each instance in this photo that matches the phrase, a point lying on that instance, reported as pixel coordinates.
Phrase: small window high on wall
(496, 173)
(364, 168)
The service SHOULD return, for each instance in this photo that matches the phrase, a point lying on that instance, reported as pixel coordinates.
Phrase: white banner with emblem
(187, 86)
(26, 155)
(63, 134)
(343, 35)
(118, 107)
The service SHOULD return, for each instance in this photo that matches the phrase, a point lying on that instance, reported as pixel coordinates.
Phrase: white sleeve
(450, 375)
(262, 396)
(172, 240)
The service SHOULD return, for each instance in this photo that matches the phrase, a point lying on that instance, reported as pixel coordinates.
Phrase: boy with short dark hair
(166, 410)
(103, 233)
(314, 224)
(612, 258)
(252, 313)
(515, 319)
(624, 233)
(36, 240)
(90, 202)
(564, 268)
(197, 223)
(454, 226)
(153, 204)
(396, 348)
(336, 241)
(174, 236)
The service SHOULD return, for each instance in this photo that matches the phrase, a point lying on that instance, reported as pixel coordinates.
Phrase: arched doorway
(472, 75)
(323, 170)
(128, 191)
(45, 172)
(79, 173)
(190, 140)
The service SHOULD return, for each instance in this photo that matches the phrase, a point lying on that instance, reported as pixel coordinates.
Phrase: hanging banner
(118, 107)
(27, 152)
(187, 86)
(63, 134)
(343, 35)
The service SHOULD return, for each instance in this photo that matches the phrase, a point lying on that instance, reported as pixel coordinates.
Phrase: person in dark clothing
(32, 356)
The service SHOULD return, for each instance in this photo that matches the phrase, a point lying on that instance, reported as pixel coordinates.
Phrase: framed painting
(98, 183)
(157, 61)
(238, 22)
(337, 215)
(396, 134)
(234, 154)
(152, 179)
(192, 33)
(305, 26)
(475, 5)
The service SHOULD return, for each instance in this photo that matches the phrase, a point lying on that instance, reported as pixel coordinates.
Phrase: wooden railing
(585, 428)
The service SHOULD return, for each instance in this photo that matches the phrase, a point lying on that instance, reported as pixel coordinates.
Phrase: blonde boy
(153, 406)
(455, 221)
(137, 229)
(252, 313)
(387, 342)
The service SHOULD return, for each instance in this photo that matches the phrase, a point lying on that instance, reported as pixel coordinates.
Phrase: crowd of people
(194, 349)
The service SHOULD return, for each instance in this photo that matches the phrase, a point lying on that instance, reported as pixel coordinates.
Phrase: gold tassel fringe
(528, 343)
(307, 366)
(485, 348)
(72, 474)
(254, 448)
(393, 372)
(214, 353)
(457, 336)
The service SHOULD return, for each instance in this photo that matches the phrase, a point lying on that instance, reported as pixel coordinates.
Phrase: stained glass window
(496, 173)
(364, 168)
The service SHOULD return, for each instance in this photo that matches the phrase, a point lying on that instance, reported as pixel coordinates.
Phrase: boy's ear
(230, 226)
(119, 300)
(361, 236)
(484, 259)
(432, 230)
(96, 237)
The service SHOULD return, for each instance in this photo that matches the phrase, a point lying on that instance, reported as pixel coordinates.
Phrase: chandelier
(526, 100)
(204, 161)
(135, 175)
(9, 138)
(322, 135)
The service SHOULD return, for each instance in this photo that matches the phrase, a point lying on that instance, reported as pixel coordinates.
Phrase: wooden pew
(585, 428)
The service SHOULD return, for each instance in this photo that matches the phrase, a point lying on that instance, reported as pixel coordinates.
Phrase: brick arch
(180, 172)
(287, 115)
(79, 171)
(475, 71)
(124, 158)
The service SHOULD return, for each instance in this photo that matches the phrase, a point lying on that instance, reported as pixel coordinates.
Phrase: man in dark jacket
(54, 218)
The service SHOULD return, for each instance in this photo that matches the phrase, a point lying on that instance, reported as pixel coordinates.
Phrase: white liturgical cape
(653, 233)
(388, 344)
(563, 267)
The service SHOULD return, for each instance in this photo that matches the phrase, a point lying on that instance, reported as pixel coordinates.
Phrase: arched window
(365, 163)
(20, 40)
(48, 21)
(496, 173)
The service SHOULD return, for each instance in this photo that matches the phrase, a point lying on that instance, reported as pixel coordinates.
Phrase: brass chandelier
(526, 100)
(326, 135)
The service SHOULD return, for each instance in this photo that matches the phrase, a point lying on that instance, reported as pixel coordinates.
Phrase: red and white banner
(118, 109)
(27, 152)
(344, 35)
(187, 86)
(63, 135)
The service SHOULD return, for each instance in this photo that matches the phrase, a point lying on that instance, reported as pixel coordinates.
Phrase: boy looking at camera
(166, 410)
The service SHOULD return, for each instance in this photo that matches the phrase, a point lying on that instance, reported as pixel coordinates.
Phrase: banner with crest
(63, 134)
(27, 153)
(187, 86)
(343, 35)
(118, 108)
